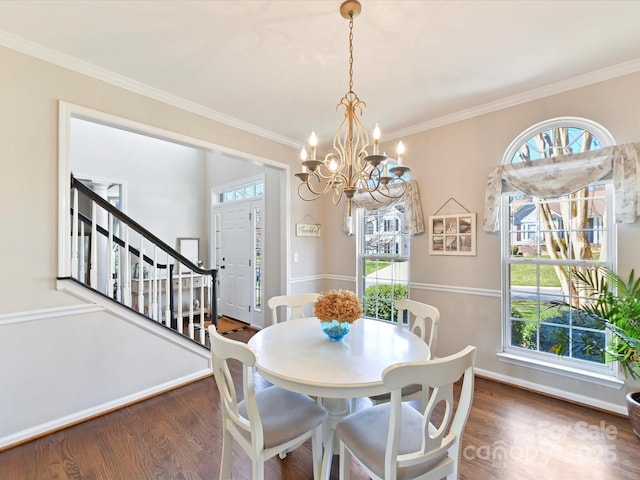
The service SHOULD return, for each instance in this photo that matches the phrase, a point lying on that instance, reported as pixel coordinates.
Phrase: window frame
(601, 373)
(362, 257)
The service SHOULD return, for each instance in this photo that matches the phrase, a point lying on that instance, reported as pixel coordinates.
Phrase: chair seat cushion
(365, 434)
(284, 414)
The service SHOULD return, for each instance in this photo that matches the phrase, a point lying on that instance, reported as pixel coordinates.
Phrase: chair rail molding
(47, 313)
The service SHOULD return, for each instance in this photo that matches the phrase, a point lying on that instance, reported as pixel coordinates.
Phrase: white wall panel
(66, 364)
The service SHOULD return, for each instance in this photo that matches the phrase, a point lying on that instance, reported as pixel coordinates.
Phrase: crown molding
(573, 83)
(52, 56)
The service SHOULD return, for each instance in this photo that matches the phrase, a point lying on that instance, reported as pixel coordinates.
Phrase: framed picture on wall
(452, 234)
(188, 247)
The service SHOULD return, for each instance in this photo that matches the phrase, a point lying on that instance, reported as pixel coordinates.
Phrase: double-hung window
(384, 260)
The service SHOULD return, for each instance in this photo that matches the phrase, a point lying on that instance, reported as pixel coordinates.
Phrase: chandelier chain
(351, 51)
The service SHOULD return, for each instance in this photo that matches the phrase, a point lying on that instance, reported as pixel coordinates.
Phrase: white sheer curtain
(413, 218)
(562, 175)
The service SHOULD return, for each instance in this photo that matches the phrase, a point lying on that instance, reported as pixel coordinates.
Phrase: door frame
(216, 208)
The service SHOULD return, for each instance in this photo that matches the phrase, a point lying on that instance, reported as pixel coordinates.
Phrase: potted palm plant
(615, 301)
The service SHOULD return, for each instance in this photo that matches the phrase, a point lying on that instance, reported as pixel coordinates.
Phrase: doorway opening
(169, 179)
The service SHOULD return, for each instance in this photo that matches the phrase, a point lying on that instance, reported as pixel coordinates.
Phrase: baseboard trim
(553, 392)
(53, 426)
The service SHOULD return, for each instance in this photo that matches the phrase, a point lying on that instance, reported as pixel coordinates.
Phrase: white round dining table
(298, 356)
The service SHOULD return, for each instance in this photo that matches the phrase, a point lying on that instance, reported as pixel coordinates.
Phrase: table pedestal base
(337, 409)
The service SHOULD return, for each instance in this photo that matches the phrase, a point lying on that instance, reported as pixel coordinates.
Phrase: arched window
(544, 240)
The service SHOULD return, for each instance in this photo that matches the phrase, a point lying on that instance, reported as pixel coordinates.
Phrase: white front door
(236, 285)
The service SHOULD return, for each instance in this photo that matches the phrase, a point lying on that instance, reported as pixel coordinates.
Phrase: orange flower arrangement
(340, 305)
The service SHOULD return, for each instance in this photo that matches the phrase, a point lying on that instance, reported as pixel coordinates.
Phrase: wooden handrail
(75, 183)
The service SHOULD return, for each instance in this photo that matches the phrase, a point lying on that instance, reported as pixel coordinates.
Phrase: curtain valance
(413, 218)
(565, 174)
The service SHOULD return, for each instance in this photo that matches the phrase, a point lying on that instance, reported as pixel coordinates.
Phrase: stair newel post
(179, 317)
(126, 269)
(154, 305)
(93, 265)
(191, 298)
(141, 276)
(109, 269)
(167, 312)
(74, 236)
(213, 301)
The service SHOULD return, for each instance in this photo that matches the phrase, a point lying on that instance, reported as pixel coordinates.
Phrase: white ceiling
(279, 68)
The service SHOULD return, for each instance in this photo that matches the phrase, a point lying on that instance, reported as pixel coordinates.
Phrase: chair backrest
(423, 314)
(223, 349)
(439, 374)
(295, 302)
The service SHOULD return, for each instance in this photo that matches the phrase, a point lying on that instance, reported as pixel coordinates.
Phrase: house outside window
(384, 261)
(544, 241)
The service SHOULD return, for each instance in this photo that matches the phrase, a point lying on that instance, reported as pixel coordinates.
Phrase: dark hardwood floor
(511, 434)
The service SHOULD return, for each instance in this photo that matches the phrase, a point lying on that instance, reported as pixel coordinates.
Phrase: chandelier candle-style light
(349, 168)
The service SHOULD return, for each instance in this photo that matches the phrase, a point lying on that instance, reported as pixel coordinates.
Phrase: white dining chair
(267, 422)
(396, 441)
(423, 320)
(295, 303)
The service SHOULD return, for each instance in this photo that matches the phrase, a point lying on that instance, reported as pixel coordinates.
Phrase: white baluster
(154, 304)
(145, 282)
(109, 270)
(159, 300)
(93, 265)
(179, 318)
(208, 296)
(202, 308)
(74, 236)
(117, 281)
(118, 268)
(101, 219)
(141, 276)
(191, 298)
(167, 313)
(82, 261)
(126, 269)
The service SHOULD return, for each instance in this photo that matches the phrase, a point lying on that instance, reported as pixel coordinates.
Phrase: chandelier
(349, 168)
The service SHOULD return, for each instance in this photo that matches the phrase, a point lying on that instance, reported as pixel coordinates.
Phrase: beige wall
(451, 161)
